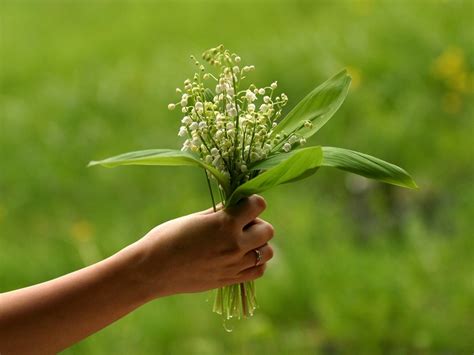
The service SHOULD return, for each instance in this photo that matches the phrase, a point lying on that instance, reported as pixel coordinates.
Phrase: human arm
(194, 253)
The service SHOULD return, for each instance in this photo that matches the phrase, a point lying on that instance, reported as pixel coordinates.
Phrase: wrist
(140, 277)
(127, 266)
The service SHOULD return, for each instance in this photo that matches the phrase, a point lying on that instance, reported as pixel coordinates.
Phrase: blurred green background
(360, 268)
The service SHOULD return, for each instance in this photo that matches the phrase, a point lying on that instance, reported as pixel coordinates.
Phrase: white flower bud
(250, 96)
(206, 76)
(219, 133)
(202, 125)
(254, 156)
(216, 162)
(274, 85)
(186, 120)
(171, 107)
(230, 125)
(193, 126)
(208, 159)
(232, 112)
(293, 139)
(215, 151)
(236, 69)
(184, 102)
(182, 131)
(287, 147)
(243, 168)
(251, 107)
(302, 140)
(237, 59)
(266, 99)
(263, 108)
(261, 91)
(199, 105)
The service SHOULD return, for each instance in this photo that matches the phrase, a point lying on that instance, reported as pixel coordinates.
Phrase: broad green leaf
(352, 161)
(168, 157)
(366, 165)
(299, 165)
(318, 107)
(272, 160)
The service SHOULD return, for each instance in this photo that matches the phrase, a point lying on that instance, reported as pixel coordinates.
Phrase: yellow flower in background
(451, 68)
(356, 75)
(450, 63)
(82, 231)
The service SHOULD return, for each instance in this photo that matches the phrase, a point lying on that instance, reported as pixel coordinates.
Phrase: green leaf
(366, 165)
(300, 164)
(352, 161)
(318, 107)
(168, 157)
(272, 160)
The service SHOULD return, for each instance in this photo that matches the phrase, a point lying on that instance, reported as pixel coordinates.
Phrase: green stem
(210, 191)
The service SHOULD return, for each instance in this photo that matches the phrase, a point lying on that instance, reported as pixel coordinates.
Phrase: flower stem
(210, 191)
(243, 296)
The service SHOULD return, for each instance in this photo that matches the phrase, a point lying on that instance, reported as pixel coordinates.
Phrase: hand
(204, 250)
(194, 253)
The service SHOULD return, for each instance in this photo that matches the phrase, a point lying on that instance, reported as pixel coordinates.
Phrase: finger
(256, 235)
(210, 210)
(251, 223)
(251, 274)
(247, 209)
(250, 259)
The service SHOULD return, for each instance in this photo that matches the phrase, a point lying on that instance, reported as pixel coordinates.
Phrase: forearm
(51, 316)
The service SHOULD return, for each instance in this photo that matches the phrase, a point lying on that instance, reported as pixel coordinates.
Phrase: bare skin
(194, 253)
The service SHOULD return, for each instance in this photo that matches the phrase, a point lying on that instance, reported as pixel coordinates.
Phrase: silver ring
(259, 256)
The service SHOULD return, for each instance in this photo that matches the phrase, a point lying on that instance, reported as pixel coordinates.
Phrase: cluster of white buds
(230, 127)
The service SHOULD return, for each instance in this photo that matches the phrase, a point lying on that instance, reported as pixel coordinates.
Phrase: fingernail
(259, 200)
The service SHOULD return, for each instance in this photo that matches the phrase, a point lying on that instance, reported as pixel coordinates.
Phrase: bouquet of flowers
(238, 134)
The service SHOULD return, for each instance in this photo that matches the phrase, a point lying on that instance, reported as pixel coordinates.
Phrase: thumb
(247, 209)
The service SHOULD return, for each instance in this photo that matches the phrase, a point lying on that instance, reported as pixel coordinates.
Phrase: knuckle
(229, 221)
(233, 247)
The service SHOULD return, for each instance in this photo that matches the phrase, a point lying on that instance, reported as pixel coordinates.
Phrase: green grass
(359, 269)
